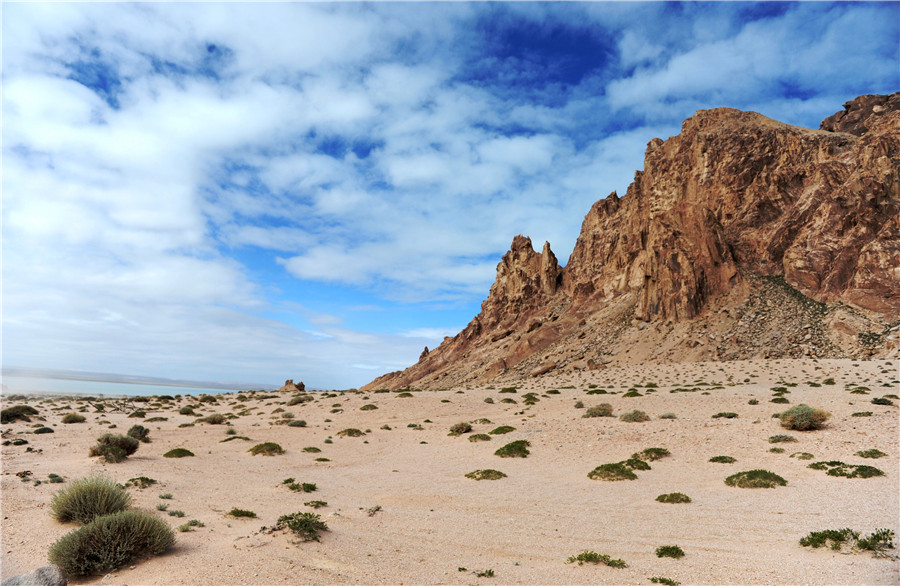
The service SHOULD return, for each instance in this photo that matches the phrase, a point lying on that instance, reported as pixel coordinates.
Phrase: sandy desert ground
(436, 526)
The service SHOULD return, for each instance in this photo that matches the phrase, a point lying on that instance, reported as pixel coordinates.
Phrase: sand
(435, 526)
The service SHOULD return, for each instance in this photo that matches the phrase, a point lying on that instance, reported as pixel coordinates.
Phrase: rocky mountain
(742, 237)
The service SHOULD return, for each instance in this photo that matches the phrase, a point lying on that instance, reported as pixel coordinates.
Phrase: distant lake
(35, 384)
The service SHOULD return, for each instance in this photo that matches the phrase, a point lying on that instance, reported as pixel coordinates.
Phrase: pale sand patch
(434, 520)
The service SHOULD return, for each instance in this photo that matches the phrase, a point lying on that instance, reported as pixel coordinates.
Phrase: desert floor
(435, 526)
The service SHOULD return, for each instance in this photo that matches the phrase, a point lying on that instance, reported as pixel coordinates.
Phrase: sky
(256, 192)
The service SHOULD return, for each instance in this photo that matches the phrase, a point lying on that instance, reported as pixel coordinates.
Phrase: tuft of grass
(878, 541)
(802, 455)
(305, 525)
(176, 513)
(460, 428)
(88, 498)
(774, 439)
(612, 472)
(636, 464)
(316, 504)
(882, 401)
(516, 449)
(297, 423)
(213, 419)
(266, 449)
(755, 479)
(652, 454)
(368, 407)
(673, 498)
(725, 415)
(486, 474)
(836, 468)
(668, 416)
(140, 482)
(723, 459)
(669, 551)
(479, 437)
(592, 557)
(110, 542)
(862, 414)
(665, 581)
(635, 416)
(601, 410)
(242, 513)
(803, 418)
(502, 430)
(873, 453)
(73, 418)
(312, 450)
(178, 453)
(350, 432)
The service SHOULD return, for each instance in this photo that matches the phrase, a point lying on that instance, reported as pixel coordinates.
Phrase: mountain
(742, 237)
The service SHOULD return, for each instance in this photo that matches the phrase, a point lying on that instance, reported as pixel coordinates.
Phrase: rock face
(736, 211)
(291, 387)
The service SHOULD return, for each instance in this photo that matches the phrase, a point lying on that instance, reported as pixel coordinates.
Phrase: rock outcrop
(291, 387)
(735, 213)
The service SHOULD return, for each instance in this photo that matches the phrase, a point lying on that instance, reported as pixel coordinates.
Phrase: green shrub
(755, 479)
(350, 432)
(304, 525)
(176, 513)
(652, 454)
(636, 464)
(601, 410)
(673, 498)
(668, 416)
(779, 400)
(140, 433)
(88, 498)
(109, 542)
(140, 482)
(114, 447)
(882, 401)
(802, 455)
(516, 449)
(486, 474)
(502, 430)
(460, 428)
(803, 418)
(862, 414)
(669, 551)
(312, 450)
(139, 414)
(836, 468)
(43, 429)
(774, 439)
(725, 414)
(878, 541)
(634, 417)
(73, 418)
(632, 393)
(316, 504)
(871, 454)
(186, 410)
(297, 423)
(17, 412)
(612, 472)
(266, 449)
(665, 581)
(592, 557)
(479, 437)
(242, 513)
(368, 407)
(213, 419)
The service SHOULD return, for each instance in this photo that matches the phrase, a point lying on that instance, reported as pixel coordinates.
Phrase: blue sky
(245, 192)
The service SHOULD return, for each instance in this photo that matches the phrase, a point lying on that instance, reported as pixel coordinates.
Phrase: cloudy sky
(237, 192)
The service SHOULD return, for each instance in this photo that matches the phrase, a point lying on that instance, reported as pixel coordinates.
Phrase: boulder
(49, 575)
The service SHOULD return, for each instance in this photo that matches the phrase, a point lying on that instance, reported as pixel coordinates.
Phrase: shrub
(725, 414)
(460, 428)
(140, 482)
(632, 393)
(674, 498)
(836, 468)
(186, 410)
(516, 449)
(242, 513)
(668, 416)
(779, 400)
(479, 437)
(114, 447)
(502, 430)
(312, 450)
(139, 414)
(266, 449)
(601, 410)
(612, 472)
(43, 429)
(880, 540)
(871, 454)
(803, 418)
(592, 557)
(635, 417)
(665, 581)
(140, 433)
(316, 504)
(755, 479)
(652, 454)
(110, 542)
(305, 525)
(176, 513)
(862, 414)
(297, 423)
(178, 453)
(73, 418)
(17, 412)
(350, 432)
(214, 419)
(669, 551)
(88, 498)
(486, 474)
(636, 464)
(774, 439)
(882, 401)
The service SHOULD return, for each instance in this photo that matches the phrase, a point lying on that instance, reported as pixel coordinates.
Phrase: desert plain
(401, 510)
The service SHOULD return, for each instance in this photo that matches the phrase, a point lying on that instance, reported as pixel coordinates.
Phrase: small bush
(755, 479)
(460, 428)
(862, 414)
(601, 410)
(479, 437)
(634, 417)
(502, 430)
(668, 416)
(725, 415)
(73, 418)
(673, 498)
(774, 439)
(43, 429)
(176, 513)
(652, 454)
(836, 468)
(592, 557)
(516, 449)
(612, 472)
(802, 455)
(803, 418)
(312, 450)
(266, 449)
(871, 454)
(178, 453)
(139, 414)
(213, 419)
(486, 474)
(882, 401)
(837, 537)
(636, 464)
(297, 423)
(140, 482)
(242, 513)
(368, 407)
(17, 412)
(350, 432)
(669, 551)
(88, 498)
(109, 542)
(304, 525)
(665, 581)
(779, 400)
(186, 410)
(114, 447)
(140, 433)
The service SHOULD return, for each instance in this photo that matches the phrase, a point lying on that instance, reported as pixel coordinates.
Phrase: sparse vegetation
(774, 439)
(88, 498)
(17, 413)
(725, 415)
(873, 453)
(486, 474)
(601, 410)
(266, 449)
(612, 472)
(669, 551)
(723, 459)
(178, 453)
(803, 418)
(755, 479)
(242, 513)
(652, 454)
(73, 418)
(350, 432)
(878, 541)
(837, 468)
(479, 437)
(673, 498)
(140, 433)
(305, 525)
(460, 428)
(516, 449)
(502, 430)
(114, 447)
(635, 416)
(592, 557)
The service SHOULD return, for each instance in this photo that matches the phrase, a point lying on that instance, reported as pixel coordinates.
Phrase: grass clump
(266, 449)
(635, 416)
(652, 454)
(878, 541)
(486, 474)
(297, 423)
(882, 401)
(669, 551)
(17, 413)
(802, 455)
(502, 430)
(774, 439)
(88, 498)
(178, 453)
(43, 429)
(479, 437)
(140, 482)
(460, 428)
(612, 472)
(803, 418)
(312, 450)
(592, 557)
(73, 418)
(350, 432)
(114, 447)
(110, 542)
(213, 419)
(305, 525)
(673, 498)
(873, 453)
(725, 415)
(601, 410)
(140, 433)
(755, 479)
(723, 459)
(836, 468)
(862, 414)
(665, 581)
(242, 513)
(516, 449)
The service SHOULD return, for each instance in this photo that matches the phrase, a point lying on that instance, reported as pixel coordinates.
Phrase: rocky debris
(424, 353)
(291, 387)
(49, 575)
(741, 237)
